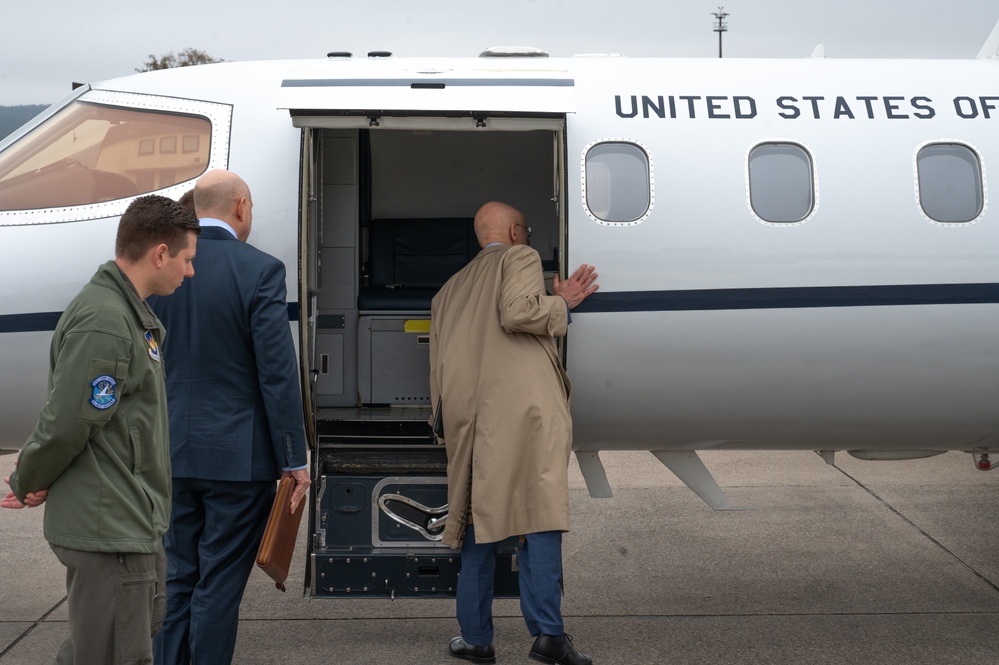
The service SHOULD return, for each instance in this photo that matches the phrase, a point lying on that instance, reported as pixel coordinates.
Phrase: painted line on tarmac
(33, 626)
(915, 526)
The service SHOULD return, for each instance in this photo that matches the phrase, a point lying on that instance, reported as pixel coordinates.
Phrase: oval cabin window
(781, 183)
(949, 183)
(617, 183)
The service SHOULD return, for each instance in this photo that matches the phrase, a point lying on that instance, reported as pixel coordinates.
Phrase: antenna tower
(721, 26)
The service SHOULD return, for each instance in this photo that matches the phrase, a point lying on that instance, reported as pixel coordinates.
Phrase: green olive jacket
(101, 445)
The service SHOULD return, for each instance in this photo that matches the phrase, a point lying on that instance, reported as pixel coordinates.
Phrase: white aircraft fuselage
(792, 254)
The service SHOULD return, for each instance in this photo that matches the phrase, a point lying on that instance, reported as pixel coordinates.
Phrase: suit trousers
(540, 577)
(116, 603)
(215, 530)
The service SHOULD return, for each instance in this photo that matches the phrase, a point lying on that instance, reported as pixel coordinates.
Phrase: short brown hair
(187, 200)
(151, 220)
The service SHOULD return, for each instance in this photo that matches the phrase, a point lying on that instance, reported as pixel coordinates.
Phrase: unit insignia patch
(103, 396)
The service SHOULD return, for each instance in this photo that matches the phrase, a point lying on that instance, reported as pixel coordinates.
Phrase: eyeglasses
(529, 232)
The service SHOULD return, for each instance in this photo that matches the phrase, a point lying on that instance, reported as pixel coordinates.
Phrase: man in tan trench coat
(504, 397)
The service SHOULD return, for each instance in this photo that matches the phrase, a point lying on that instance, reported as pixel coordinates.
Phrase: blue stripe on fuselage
(790, 298)
(46, 321)
(700, 300)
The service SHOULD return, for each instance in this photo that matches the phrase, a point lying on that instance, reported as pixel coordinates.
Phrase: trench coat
(504, 397)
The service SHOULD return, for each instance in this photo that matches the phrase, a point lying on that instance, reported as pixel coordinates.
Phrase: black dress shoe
(460, 649)
(557, 650)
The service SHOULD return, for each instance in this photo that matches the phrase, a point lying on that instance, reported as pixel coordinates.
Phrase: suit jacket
(232, 377)
(505, 396)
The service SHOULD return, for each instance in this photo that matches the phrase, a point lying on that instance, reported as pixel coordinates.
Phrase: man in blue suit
(236, 423)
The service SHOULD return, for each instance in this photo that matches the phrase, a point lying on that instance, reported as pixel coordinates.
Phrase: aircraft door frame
(307, 282)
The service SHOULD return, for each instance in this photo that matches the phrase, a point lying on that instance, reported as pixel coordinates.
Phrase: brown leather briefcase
(278, 544)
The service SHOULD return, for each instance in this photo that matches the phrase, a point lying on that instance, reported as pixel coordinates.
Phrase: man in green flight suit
(100, 454)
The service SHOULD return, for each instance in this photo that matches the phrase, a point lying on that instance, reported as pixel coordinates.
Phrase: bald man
(498, 383)
(236, 423)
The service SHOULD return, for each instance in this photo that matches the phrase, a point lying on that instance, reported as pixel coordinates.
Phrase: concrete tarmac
(861, 563)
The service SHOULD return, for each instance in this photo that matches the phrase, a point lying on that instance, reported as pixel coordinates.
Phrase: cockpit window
(89, 153)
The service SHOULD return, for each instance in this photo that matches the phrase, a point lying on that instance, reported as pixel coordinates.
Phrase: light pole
(721, 27)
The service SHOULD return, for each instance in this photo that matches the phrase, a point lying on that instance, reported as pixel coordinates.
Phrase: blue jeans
(540, 562)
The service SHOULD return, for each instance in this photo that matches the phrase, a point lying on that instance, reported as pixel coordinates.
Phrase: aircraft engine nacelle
(891, 455)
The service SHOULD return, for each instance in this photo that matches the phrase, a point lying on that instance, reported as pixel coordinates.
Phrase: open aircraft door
(393, 169)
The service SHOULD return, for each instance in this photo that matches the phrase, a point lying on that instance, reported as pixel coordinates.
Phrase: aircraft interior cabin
(393, 223)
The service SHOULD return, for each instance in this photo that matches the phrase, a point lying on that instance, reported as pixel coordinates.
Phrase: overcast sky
(45, 46)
